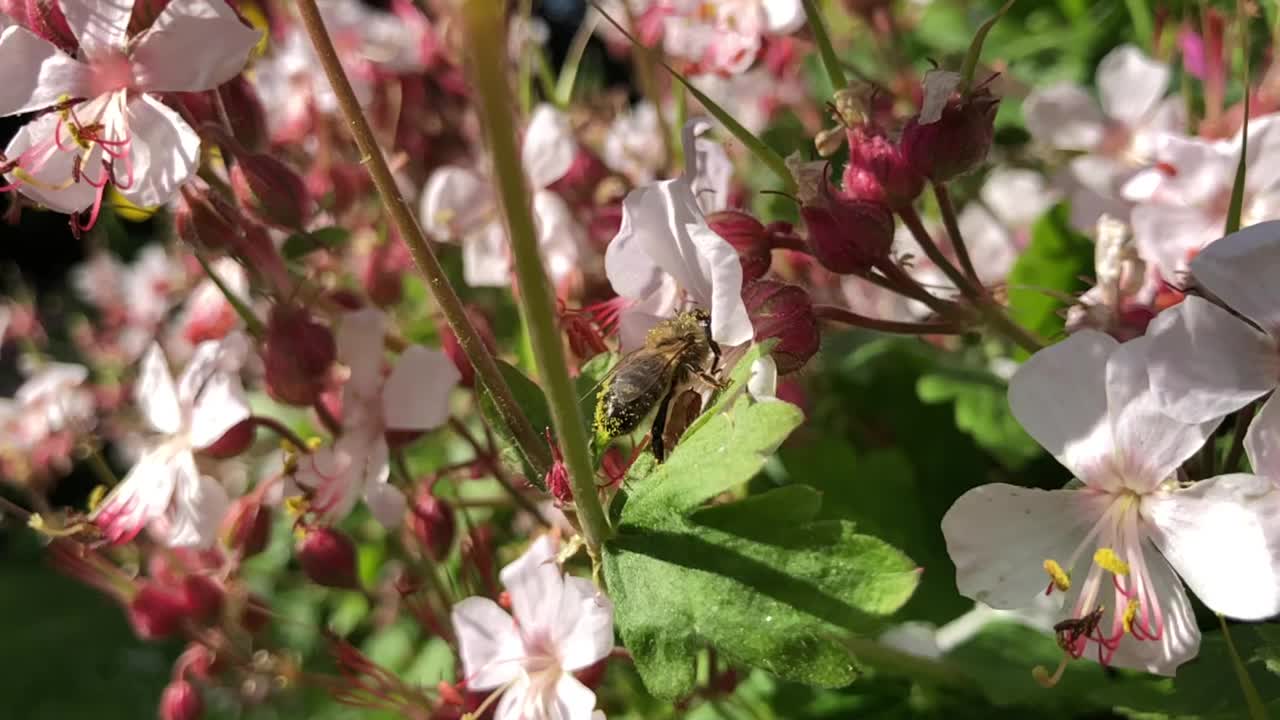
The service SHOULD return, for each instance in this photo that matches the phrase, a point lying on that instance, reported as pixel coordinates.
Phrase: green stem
(1257, 711)
(485, 31)
(1236, 208)
(531, 445)
(830, 60)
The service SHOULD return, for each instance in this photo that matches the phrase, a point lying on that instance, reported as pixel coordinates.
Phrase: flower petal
(50, 169)
(1064, 116)
(1169, 235)
(1130, 84)
(535, 585)
(1059, 397)
(1262, 441)
(999, 536)
(486, 261)
(416, 394)
(730, 324)
(782, 17)
(140, 498)
(386, 503)
(1206, 362)
(360, 348)
(196, 510)
(335, 477)
(573, 700)
(489, 643)
(165, 152)
(560, 236)
(1222, 535)
(193, 45)
(455, 201)
(99, 25)
(1018, 197)
(585, 632)
(549, 146)
(220, 406)
(1238, 269)
(37, 74)
(155, 394)
(1180, 640)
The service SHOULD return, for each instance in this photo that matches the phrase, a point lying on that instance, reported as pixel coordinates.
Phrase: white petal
(335, 477)
(52, 168)
(1169, 236)
(938, 87)
(489, 643)
(193, 45)
(360, 348)
(573, 701)
(196, 510)
(1206, 362)
(712, 178)
(1262, 441)
(37, 74)
(1059, 397)
(202, 365)
(165, 153)
(585, 631)
(1180, 640)
(999, 536)
(455, 201)
(220, 406)
(783, 17)
(631, 271)
(386, 503)
(763, 383)
(1018, 197)
(535, 585)
(991, 245)
(1261, 171)
(730, 324)
(1239, 269)
(486, 261)
(1202, 170)
(140, 498)
(155, 394)
(1130, 84)
(416, 394)
(1064, 116)
(99, 25)
(1149, 445)
(549, 146)
(1222, 535)
(560, 236)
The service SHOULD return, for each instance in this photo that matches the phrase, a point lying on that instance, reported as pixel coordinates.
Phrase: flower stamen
(1058, 578)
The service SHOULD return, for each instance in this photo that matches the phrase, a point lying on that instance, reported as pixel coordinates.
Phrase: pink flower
(165, 490)
(107, 125)
(725, 36)
(561, 624)
(1115, 542)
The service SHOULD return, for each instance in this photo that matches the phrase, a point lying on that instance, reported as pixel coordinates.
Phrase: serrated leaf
(532, 402)
(301, 244)
(1050, 268)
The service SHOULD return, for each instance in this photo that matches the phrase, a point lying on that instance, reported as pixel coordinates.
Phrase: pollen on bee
(1107, 559)
(1058, 578)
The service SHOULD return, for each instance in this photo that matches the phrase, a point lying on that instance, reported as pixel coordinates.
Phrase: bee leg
(715, 355)
(660, 424)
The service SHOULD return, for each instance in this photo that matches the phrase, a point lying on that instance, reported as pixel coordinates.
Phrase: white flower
(725, 36)
(458, 204)
(1113, 541)
(414, 396)
(119, 132)
(165, 491)
(561, 624)
(665, 257)
(52, 399)
(633, 144)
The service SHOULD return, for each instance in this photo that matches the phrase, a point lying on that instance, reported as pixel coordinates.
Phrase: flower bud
(156, 611)
(748, 236)
(246, 528)
(234, 441)
(45, 18)
(848, 236)
(245, 111)
(557, 479)
(382, 271)
(271, 190)
(203, 597)
(958, 142)
(299, 352)
(785, 312)
(449, 343)
(432, 523)
(877, 171)
(328, 558)
(181, 701)
(204, 220)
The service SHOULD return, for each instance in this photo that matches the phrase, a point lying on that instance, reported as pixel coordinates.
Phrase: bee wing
(630, 357)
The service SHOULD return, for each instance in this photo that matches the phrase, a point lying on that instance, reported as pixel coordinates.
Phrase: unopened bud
(205, 220)
(203, 597)
(181, 701)
(557, 479)
(748, 236)
(382, 272)
(451, 347)
(245, 111)
(848, 236)
(432, 523)
(271, 190)
(246, 528)
(299, 352)
(878, 171)
(328, 558)
(958, 142)
(785, 312)
(234, 441)
(156, 611)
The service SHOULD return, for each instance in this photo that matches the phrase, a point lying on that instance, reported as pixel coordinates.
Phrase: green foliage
(1047, 271)
(532, 402)
(982, 410)
(301, 244)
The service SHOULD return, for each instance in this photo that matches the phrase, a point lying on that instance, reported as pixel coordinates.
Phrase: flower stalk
(437, 281)
(485, 28)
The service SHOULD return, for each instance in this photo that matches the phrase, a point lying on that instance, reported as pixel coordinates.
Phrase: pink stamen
(97, 207)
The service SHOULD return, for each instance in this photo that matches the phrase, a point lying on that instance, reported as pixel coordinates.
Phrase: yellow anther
(1107, 559)
(1061, 580)
(315, 442)
(96, 495)
(35, 522)
(296, 506)
(290, 459)
(1130, 612)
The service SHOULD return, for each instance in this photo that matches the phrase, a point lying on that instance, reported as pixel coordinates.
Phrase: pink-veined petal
(165, 152)
(196, 510)
(193, 45)
(1238, 270)
(220, 406)
(549, 146)
(999, 536)
(1222, 535)
(489, 643)
(140, 498)
(535, 585)
(47, 171)
(155, 394)
(416, 394)
(455, 201)
(517, 700)
(1130, 84)
(360, 348)
(1064, 116)
(99, 25)
(1180, 638)
(37, 74)
(486, 261)
(1059, 397)
(573, 700)
(1262, 441)
(1148, 444)
(584, 633)
(1206, 362)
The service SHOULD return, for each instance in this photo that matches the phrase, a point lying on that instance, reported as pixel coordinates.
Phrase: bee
(645, 381)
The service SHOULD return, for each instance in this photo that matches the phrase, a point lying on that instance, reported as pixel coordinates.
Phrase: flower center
(111, 73)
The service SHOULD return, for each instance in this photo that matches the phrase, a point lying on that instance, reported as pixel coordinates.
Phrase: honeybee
(645, 381)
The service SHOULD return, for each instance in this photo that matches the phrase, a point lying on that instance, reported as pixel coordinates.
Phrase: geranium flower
(107, 124)
(1111, 543)
(665, 257)
(414, 396)
(458, 204)
(165, 491)
(561, 624)
(725, 36)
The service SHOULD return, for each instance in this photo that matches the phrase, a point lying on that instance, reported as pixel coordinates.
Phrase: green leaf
(1047, 271)
(830, 60)
(975, 48)
(982, 411)
(302, 244)
(532, 402)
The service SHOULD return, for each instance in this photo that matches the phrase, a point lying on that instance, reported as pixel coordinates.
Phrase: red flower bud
(203, 597)
(557, 478)
(181, 701)
(578, 184)
(156, 611)
(878, 171)
(299, 352)
(233, 441)
(196, 661)
(205, 220)
(247, 526)
(271, 190)
(328, 557)
(449, 343)
(245, 111)
(749, 237)
(785, 312)
(432, 523)
(958, 142)
(848, 236)
(382, 272)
